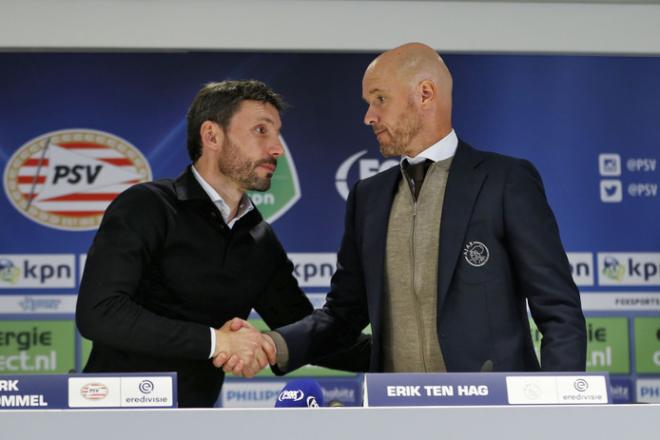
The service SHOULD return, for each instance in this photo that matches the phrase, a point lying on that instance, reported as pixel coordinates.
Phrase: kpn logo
(356, 168)
(284, 189)
(66, 179)
(629, 269)
(37, 271)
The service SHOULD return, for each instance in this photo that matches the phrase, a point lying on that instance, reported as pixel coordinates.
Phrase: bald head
(412, 63)
(417, 81)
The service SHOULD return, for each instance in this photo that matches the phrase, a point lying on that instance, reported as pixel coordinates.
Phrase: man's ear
(212, 135)
(428, 92)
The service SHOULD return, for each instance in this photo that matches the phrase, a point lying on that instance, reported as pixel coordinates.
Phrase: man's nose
(276, 148)
(370, 118)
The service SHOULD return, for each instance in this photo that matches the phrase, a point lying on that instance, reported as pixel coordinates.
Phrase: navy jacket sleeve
(542, 270)
(339, 323)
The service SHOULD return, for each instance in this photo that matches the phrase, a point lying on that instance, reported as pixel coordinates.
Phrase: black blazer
(163, 268)
(492, 199)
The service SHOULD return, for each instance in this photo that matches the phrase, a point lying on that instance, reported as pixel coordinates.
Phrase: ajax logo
(66, 179)
(612, 269)
(476, 253)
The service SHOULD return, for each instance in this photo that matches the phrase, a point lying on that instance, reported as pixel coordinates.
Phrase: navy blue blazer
(499, 248)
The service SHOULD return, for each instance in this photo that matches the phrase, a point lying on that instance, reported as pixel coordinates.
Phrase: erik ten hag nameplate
(465, 389)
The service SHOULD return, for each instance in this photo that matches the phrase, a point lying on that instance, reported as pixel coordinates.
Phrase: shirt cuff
(213, 342)
(282, 355)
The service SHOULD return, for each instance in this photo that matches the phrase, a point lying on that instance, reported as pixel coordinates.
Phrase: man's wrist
(281, 349)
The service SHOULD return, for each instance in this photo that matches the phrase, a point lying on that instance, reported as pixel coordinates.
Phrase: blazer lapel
(463, 185)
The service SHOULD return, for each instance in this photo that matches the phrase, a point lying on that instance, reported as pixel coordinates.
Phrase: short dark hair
(219, 101)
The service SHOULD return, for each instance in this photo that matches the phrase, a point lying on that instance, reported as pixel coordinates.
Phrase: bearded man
(443, 254)
(174, 260)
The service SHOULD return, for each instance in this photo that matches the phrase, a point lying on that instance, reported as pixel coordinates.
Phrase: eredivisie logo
(66, 179)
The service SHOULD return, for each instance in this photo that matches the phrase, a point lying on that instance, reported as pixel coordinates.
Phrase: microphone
(300, 393)
(487, 367)
(335, 403)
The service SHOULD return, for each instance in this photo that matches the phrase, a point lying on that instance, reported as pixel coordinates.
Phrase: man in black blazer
(446, 291)
(174, 260)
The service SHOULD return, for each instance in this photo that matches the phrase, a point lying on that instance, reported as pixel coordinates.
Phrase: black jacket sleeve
(108, 310)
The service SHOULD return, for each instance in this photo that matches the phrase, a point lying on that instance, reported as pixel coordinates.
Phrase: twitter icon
(611, 191)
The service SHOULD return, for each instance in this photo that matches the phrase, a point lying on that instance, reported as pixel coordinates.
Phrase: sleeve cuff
(213, 342)
(282, 356)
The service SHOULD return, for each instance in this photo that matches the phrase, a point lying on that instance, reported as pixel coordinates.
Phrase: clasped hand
(241, 349)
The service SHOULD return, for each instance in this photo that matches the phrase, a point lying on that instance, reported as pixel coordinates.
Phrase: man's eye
(261, 130)
(380, 99)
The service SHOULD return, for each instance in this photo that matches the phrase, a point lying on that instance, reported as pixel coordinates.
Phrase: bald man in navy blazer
(444, 273)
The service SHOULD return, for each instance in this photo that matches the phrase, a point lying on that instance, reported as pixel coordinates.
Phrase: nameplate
(63, 391)
(466, 389)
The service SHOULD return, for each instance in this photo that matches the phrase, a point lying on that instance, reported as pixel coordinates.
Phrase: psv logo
(66, 179)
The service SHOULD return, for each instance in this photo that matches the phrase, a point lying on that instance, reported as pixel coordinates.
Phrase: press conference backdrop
(76, 129)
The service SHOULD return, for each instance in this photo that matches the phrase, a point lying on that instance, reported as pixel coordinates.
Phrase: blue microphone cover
(300, 393)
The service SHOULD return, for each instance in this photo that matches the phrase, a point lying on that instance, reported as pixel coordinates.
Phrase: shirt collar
(244, 206)
(441, 150)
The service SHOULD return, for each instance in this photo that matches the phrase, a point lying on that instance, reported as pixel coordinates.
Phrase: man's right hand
(241, 349)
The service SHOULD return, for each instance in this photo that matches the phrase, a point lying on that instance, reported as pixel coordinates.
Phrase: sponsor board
(621, 390)
(46, 271)
(629, 269)
(284, 189)
(611, 191)
(607, 344)
(542, 390)
(85, 350)
(357, 167)
(313, 269)
(647, 391)
(147, 391)
(609, 164)
(41, 304)
(250, 394)
(36, 347)
(342, 392)
(94, 392)
(582, 267)
(620, 301)
(317, 299)
(647, 344)
(82, 259)
(66, 179)
(641, 164)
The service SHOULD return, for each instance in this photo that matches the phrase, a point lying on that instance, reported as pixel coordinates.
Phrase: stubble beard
(235, 166)
(401, 136)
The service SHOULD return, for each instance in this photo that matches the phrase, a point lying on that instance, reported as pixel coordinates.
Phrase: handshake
(241, 349)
